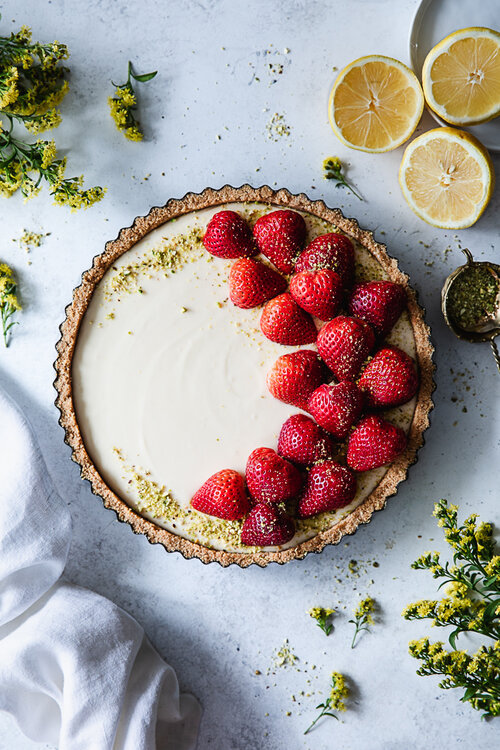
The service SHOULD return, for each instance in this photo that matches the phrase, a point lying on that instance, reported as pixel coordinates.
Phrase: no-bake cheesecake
(167, 376)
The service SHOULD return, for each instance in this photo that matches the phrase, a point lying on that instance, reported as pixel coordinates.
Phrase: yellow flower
(127, 96)
(493, 567)
(118, 112)
(76, 198)
(320, 613)
(48, 153)
(23, 36)
(40, 123)
(8, 88)
(425, 607)
(133, 134)
(483, 536)
(11, 299)
(59, 51)
(11, 177)
(29, 188)
(332, 163)
(364, 608)
(338, 692)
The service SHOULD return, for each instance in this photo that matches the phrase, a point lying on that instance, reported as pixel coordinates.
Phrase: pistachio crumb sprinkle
(160, 503)
(166, 258)
(285, 657)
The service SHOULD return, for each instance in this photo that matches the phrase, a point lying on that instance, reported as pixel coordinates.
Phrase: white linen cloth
(76, 671)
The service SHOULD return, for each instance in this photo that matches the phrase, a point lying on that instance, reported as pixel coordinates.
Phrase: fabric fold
(75, 670)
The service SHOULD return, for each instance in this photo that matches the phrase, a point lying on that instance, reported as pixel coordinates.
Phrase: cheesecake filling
(169, 379)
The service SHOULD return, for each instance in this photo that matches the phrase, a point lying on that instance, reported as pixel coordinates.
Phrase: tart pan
(75, 312)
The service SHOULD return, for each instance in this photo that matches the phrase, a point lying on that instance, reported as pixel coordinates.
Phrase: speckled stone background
(205, 117)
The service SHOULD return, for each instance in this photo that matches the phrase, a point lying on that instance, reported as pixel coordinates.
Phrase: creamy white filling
(175, 379)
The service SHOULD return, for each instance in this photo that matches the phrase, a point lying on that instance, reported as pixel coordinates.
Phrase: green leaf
(453, 637)
(145, 77)
(491, 608)
(469, 693)
(491, 582)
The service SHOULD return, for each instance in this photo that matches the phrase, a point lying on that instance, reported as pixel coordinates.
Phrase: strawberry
(389, 379)
(267, 526)
(333, 251)
(270, 478)
(284, 322)
(317, 292)
(373, 443)
(336, 407)
(344, 344)
(303, 441)
(223, 495)
(380, 303)
(280, 236)
(228, 236)
(329, 486)
(293, 377)
(251, 283)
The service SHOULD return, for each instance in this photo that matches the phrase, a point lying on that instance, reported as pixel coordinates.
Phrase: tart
(161, 379)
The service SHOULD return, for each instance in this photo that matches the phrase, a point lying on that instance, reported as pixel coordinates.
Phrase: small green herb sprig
(332, 170)
(32, 85)
(9, 302)
(472, 604)
(323, 618)
(123, 105)
(363, 617)
(335, 701)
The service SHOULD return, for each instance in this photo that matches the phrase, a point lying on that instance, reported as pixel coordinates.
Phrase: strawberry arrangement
(309, 298)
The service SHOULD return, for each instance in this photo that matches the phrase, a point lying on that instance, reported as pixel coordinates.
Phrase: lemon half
(461, 76)
(447, 178)
(375, 104)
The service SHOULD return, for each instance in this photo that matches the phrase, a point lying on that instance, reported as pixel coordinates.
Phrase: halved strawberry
(329, 486)
(379, 303)
(223, 495)
(344, 344)
(251, 283)
(280, 236)
(334, 251)
(267, 526)
(294, 376)
(373, 443)
(284, 322)
(303, 441)
(270, 478)
(228, 236)
(389, 379)
(318, 292)
(336, 407)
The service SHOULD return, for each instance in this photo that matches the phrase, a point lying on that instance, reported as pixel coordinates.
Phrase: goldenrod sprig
(9, 302)
(123, 105)
(25, 165)
(322, 617)
(472, 604)
(32, 80)
(339, 691)
(32, 85)
(475, 571)
(332, 170)
(362, 617)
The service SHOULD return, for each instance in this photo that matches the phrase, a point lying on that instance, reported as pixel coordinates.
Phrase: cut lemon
(461, 76)
(375, 104)
(447, 178)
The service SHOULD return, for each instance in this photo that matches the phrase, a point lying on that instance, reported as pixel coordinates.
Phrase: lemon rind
(416, 85)
(474, 145)
(437, 50)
